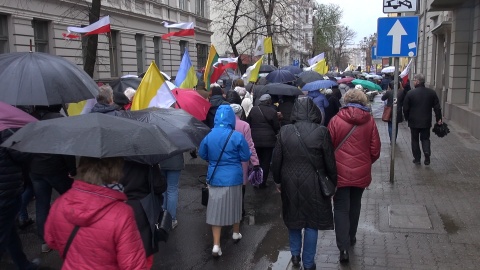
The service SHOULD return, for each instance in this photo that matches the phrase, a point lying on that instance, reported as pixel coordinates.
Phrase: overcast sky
(360, 15)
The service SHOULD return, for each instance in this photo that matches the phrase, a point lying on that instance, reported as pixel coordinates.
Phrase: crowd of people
(328, 133)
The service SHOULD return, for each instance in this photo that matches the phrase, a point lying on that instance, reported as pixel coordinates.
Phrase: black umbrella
(33, 78)
(120, 84)
(282, 89)
(293, 69)
(93, 135)
(176, 123)
(308, 77)
(280, 76)
(267, 68)
(348, 73)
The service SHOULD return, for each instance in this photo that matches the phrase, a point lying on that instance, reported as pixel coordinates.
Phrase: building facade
(449, 56)
(133, 43)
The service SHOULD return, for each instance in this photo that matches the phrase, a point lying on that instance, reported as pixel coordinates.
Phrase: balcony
(441, 5)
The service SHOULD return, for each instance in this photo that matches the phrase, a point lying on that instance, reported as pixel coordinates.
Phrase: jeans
(265, 158)
(424, 134)
(170, 197)
(9, 240)
(27, 196)
(390, 125)
(347, 205)
(310, 237)
(42, 186)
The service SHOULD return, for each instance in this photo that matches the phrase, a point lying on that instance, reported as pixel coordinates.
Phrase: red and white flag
(404, 74)
(68, 36)
(227, 62)
(99, 27)
(187, 29)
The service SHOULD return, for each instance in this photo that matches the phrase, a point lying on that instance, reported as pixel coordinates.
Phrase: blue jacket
(229, 171)
(319, 99)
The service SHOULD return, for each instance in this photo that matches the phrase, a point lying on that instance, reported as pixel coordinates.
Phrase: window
(183, 47)
(182, 4)
(139, 40)
(4, 34)
(202, 52)
(306, 16)
(40, 33)
(112, 42)
(157, 51)
(200, 8)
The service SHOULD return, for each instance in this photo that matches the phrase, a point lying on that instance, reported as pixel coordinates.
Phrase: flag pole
(170, 45)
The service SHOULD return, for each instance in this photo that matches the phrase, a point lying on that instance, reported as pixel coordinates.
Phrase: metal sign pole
(396, 61)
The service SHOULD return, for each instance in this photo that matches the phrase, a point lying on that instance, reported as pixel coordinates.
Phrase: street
(427, 219)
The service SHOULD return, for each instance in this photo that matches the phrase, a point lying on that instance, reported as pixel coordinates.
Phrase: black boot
(344, 257)
(296, 260)
(427, 159)
(314, 267)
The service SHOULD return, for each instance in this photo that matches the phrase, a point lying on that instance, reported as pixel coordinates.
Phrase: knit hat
(328, 91)
(129, 93)
(241, 91)
(237, 109)
(359, 87)
(265, 97)
(216, 90)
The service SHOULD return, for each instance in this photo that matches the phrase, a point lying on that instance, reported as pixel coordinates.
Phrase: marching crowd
(328, 136)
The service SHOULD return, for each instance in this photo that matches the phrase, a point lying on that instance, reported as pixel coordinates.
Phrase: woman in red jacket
(107, 236)
(357, 146)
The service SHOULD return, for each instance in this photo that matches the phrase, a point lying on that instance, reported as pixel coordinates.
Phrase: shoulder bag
(69, 241)
(205, 187)
(326, 186)
(387, 114)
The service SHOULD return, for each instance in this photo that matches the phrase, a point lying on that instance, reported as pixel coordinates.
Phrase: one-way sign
(397, 36)
(398, 6)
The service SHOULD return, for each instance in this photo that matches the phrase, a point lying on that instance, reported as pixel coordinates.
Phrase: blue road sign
(397, 36)
(374, 53)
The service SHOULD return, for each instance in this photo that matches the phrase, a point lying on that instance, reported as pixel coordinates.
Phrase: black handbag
(205, 187)
(204, 190)
(326, 185)
(163, 226)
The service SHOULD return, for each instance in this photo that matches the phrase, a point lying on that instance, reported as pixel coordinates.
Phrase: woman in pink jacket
(244, 128)
(93, 213)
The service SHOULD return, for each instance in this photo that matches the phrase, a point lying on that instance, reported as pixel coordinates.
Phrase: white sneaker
(237, 236)
(216, 251)
(174, 224)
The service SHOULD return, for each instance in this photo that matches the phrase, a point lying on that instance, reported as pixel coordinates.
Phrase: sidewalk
(427, 219)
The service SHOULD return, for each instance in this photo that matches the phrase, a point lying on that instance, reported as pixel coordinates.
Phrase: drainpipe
(424, 46)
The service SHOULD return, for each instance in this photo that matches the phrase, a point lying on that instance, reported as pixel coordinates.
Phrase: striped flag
(252, 72)
(187, 29)
(99, 27)
(186, 76)
(209, 67)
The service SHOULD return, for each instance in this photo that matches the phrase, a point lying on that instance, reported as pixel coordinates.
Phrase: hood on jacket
(225, 117)
(217, 100)
(104, 108)
(305, 110)
(354, 116)
(85, 203)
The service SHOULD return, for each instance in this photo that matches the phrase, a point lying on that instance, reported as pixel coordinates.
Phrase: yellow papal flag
(267, 45)
(321, 67)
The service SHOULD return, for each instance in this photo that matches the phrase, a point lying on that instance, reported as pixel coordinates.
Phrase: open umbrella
(367, 84)
(310, 76)
(280, 76)
(348, 73)
(12, 117)
(120, 84)
(192, 102)
(93, 135)
(316, 85)
(267, 68)
(293, 69)
(33, 78)
(176, 123)
(346, 80)
(389, 69)
(281, 89)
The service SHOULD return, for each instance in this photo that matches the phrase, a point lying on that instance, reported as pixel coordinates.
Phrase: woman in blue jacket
(320, 100)
(225, 175)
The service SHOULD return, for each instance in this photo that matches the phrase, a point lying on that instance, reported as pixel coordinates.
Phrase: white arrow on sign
(397, 32)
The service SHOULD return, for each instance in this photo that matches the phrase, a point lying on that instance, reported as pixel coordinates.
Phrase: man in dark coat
(417, 109)
(303, 204)
(11, 188)
(105, 102)
(264, 124)
(216, 100)
(49, 172)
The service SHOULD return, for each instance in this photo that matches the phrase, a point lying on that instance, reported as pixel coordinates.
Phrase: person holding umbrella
(320, 100)
(105, 102)
(224, 149)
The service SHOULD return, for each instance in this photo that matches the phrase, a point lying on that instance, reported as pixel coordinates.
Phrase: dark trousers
(424, 134)
(264, 158)
(42, 186)
(347, 205)
(9, 240)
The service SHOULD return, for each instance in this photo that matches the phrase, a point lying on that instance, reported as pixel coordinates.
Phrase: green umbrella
(367, 84)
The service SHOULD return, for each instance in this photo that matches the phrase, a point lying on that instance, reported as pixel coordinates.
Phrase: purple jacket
(244, 128)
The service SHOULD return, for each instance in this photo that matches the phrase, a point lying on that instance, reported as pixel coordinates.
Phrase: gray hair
(105, 94)
(420, 78)
(356, 96)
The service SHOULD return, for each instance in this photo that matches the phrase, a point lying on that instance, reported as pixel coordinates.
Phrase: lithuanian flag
(209, 68)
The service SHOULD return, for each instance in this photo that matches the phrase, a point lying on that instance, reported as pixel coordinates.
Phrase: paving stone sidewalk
(448, 189)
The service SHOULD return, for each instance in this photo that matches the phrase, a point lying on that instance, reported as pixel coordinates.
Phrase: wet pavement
(427, 219)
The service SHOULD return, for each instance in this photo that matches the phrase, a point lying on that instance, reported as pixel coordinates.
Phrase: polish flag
(99, 27)
(70, 36)
(404, 74)
(187, 29)
(228, 62)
